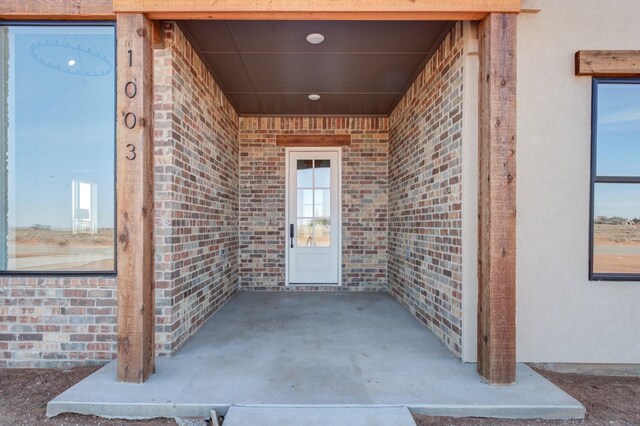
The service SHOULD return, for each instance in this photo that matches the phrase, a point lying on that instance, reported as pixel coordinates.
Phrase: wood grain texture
(56, 9)
(608, 63)
(318, 9)
(135, 199)
(320, 16)
(258, 9)
(313, 140)
(497, 200)
(158, 35)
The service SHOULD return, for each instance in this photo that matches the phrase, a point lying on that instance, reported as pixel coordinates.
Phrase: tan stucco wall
(561, 315)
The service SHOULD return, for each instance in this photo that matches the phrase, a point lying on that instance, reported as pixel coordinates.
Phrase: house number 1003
(130, 119)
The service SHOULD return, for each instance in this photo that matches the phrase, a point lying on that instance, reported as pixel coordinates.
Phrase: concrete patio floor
(319, 350)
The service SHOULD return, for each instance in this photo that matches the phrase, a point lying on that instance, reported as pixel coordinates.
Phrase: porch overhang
(446, 10)
(319, 10)
(496, 333)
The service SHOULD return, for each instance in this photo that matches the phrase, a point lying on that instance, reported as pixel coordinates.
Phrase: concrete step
(318, 416)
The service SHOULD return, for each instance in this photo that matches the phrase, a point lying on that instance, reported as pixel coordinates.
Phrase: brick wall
(425, 195)
(196, 190)
(220, 215)
(53, 322)
(364, 201)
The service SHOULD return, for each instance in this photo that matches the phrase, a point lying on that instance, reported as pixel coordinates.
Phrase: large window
(57, 135)
(615, 187)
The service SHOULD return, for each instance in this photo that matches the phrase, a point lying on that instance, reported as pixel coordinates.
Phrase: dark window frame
(97, 273)
(595, 179)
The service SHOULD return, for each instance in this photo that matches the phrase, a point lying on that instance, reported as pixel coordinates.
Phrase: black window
(615, 180)
(57, 137)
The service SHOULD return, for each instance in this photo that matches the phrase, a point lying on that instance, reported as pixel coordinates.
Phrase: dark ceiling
(268, 67)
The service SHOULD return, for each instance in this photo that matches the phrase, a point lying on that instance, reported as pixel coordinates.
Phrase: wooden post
(134, 158)
(497, 200)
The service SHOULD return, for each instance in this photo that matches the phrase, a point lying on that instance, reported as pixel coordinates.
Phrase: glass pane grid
(313, 204)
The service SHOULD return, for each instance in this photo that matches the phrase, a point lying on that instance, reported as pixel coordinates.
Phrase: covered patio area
(286, 349)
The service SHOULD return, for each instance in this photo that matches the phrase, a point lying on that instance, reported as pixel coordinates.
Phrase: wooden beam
(318, 9)
(319, 16)
(313, 140)
(135, 197)
(57, 9)
(497, 200)
(258, 9)
(532, 6)
(158, 35)
(608, 63)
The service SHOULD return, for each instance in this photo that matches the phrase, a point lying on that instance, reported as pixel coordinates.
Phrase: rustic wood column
(497, 200)
(134, 158)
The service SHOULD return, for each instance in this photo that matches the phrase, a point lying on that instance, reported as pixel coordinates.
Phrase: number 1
(130, 57)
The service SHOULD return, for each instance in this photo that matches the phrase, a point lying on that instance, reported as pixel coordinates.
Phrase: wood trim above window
(608, 63)
(57, 9)
(313, 140)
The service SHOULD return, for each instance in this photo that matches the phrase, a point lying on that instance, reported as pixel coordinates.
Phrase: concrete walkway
(313, 416)
(314, 349)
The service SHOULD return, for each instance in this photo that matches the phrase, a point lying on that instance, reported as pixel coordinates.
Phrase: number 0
(130, 120)
(130, 89)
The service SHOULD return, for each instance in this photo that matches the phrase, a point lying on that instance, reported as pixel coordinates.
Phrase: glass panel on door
(313, 211)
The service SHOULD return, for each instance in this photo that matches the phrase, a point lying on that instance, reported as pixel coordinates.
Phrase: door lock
(291, 230)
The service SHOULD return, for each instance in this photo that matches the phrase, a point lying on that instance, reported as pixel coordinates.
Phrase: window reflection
(322, 230)
(314, 197)
(618, 148)
(305, 173)
(305, 233)
(322, 173)
(57, 145)
(322, 203)
(305, 202)
(616, 239)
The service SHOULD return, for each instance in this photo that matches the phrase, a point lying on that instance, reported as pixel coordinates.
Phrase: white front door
(313, 211)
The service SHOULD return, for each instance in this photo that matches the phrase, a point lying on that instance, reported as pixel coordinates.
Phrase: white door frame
(288, 150)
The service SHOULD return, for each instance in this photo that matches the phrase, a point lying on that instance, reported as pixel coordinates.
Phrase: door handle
(291, 230)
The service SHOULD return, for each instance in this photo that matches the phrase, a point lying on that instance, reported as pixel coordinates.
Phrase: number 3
(132, 152)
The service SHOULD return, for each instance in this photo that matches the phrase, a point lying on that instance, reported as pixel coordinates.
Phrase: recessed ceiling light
(315, 38)
(72, 62)
(314, 97)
